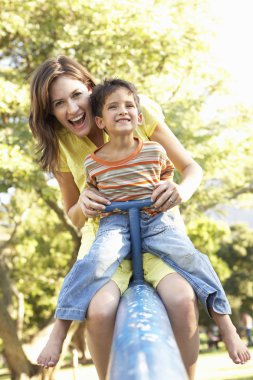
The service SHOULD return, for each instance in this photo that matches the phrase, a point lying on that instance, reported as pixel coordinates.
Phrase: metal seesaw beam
(144, 347)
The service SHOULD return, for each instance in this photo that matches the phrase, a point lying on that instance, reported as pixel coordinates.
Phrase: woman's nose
(72, 107)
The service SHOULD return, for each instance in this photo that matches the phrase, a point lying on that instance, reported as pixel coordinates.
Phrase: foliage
(238, 254)
(162, 46)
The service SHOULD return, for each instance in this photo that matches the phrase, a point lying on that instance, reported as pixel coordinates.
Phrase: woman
(62, 123)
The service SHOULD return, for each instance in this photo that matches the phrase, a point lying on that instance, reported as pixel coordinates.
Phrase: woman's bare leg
(100, 325)
(181, 305)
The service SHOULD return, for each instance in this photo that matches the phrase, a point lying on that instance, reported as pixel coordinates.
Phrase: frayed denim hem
(217, 304)
(69, 314)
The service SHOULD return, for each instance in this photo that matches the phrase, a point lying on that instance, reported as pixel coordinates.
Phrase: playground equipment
(144, 347)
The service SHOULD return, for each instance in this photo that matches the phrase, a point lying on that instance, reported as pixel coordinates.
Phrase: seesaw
(144, 347)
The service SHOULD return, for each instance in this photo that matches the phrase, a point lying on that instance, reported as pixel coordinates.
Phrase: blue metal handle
(133, 208)
(144, 347)
(129, 204)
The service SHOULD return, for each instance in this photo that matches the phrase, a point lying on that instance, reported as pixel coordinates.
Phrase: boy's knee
(103, 307)
(184, 303)
(96, 315)
(188, 299)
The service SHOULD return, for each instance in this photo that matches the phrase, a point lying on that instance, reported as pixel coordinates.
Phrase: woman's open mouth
(78, 120)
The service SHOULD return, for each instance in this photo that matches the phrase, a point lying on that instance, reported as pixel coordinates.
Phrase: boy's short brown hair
(106, 88)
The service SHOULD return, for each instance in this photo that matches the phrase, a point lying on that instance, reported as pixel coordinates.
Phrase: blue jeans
(163, 236)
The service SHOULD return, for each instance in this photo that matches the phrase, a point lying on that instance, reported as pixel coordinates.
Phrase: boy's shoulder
(155, 144)
(88, 159)
(155, 148)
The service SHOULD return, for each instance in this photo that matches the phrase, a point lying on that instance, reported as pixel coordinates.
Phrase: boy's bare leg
(100, 325)
(181, 305)
(50, 354)
(237, 350)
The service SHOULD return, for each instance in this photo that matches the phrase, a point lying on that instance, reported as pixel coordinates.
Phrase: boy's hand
(92, 202)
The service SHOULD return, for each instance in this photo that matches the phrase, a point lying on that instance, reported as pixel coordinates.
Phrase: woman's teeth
(78, 119)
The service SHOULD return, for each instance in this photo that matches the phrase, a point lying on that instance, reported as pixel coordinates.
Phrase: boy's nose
(123, 111)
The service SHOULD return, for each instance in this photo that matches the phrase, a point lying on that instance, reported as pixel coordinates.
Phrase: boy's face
(119, 114)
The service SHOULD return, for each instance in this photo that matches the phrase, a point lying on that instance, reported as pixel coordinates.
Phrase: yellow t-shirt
(73, 151)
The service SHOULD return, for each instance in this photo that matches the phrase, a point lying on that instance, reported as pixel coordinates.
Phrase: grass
(218, 366)
(214, 365)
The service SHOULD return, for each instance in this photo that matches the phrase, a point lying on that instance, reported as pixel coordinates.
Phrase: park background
(193, 58)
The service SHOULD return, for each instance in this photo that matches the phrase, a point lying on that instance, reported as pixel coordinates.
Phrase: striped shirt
(134, 177)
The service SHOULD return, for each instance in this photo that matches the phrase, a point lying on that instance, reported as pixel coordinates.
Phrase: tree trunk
(16, 359)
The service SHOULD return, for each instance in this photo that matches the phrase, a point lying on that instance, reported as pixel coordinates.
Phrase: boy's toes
(236, 358)
(52, 363)
(41, 361)
(246, 356)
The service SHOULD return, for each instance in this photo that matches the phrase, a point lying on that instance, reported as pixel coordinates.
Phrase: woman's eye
(77, 94)
(58, 104)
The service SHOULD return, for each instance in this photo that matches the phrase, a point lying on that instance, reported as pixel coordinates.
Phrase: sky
(232, 46)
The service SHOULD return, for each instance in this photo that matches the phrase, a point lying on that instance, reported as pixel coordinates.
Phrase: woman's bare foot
(50, 354)
(237, 349)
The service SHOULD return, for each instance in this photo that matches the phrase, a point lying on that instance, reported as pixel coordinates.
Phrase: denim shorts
(164, 236)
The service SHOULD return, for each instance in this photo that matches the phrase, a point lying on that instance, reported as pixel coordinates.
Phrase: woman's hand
(92, 202)
(167, 195)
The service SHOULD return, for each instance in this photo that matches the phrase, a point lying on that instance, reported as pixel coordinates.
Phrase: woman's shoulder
(152, 116)
(150, 108)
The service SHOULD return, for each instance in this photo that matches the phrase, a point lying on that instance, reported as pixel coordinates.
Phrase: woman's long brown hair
(43, 124)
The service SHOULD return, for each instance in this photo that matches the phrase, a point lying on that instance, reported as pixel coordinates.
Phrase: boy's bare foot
(50, 354)
(237, 350)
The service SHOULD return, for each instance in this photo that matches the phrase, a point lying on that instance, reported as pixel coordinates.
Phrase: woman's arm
(78, 206)
(169, 194)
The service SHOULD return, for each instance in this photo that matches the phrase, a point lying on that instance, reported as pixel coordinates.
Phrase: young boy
(124, 169)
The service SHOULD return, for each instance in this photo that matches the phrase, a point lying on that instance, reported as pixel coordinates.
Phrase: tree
(238, 254)
(167, 57)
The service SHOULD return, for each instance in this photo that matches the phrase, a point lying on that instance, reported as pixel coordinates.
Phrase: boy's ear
(140, 118)
(99, 122)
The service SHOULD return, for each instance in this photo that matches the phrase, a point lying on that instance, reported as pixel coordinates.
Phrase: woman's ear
(99, 122)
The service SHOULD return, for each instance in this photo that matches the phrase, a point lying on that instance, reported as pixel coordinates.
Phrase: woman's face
(70, 104)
